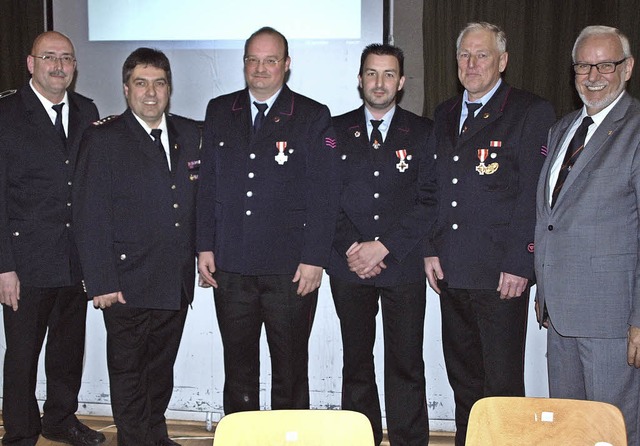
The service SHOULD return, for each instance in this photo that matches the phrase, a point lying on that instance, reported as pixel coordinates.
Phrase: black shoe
(77, 435)
(166, 441)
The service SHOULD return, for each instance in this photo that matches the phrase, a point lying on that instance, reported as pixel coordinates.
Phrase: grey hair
(501, 37)
(599, 30)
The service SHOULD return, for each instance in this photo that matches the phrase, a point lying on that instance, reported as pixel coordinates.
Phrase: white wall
(327, 74)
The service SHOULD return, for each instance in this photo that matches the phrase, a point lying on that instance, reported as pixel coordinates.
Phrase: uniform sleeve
(322, 189)
(518, 258)
(205, 203)
(92, 214)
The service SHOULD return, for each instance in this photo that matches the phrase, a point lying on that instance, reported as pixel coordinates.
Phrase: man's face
(51, 78)
(147, 92)
(380, 81)
(598, 90)
(479, 62)
(265, 79)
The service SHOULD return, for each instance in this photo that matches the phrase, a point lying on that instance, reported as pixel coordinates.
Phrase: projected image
(157, 20)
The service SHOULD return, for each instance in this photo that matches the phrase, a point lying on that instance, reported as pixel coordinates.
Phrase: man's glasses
(48, 58)
(269, 62)
(602, 67)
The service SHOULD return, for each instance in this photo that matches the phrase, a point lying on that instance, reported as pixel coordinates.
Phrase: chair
(522, 421)
(295, 428)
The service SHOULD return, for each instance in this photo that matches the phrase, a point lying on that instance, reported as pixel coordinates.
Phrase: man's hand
(206, 268)
(633, 346)
(511, 286)
(308, 277)
(9, 289)
(106, 300)
(433, 270)
(366, 259)
(540, 317)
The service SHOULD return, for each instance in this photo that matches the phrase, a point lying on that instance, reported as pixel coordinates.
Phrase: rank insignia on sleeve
(544, 151)
(330, 142)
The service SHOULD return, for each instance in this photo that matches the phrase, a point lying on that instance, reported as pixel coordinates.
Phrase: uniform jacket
(135, 219)
(486, 222)
(383, 201)
(587, 245)
(36, 231)
(257, 215)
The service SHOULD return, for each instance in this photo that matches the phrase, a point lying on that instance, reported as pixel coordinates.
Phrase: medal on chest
(481, 168)
(281, 158)
(402, 165)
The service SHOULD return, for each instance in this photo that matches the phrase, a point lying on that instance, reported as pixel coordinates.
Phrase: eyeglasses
(48, 58)
(254, 61)
(602, 67)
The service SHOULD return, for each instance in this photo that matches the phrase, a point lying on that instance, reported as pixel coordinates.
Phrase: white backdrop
(326, 71)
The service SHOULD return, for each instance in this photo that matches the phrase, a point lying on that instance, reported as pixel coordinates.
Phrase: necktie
(471, 111)
(376, 136)
(571, 155)
(257, 123)
(58, 123)
(155, 133)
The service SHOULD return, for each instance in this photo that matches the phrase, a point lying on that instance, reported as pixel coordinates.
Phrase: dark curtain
(20, 22)
(540, 36)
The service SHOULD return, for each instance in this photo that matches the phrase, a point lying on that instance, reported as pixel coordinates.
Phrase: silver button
(123, 257)
(177, 224)
(248, 212)
(66, 161)
(252, 156)
(249, 194)
(376, 238)
(173, 186)
(69, 183)
(221, 143)
(376, 217)
(454, 203)
(454, 226)
(454, 181)
(68, 205)
(456, 158)
(251, 175)
(68, 225)
(16, 233)
(376, 195)
(176, 205)
(344, 157)
(376, 173)
(435, 156)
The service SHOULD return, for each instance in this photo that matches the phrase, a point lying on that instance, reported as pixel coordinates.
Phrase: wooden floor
(189, 433)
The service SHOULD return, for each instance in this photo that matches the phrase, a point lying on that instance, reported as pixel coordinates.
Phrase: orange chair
(295, 428)
(522, 421)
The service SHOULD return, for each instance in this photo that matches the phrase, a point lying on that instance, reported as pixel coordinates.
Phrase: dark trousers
(62, 311)
(142, 345)
(403, 313)
(243, 304)
(483, 341)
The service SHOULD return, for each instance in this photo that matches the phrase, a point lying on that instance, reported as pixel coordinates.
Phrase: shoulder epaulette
(6, 93)
(105, 120)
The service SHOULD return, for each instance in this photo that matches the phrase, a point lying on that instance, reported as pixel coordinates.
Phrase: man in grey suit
(588, 231)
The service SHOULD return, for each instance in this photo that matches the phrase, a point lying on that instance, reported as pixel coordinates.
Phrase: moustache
(57, 73)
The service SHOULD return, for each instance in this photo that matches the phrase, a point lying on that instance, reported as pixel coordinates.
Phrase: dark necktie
(471, 112)
(376, 136)
(257, 123)
(155, 133)
(573, 152)
(58, 123)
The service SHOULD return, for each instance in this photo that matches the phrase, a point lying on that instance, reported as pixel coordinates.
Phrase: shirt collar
(484, 99)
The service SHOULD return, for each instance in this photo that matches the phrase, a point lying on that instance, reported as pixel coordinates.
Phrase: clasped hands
(366, 258)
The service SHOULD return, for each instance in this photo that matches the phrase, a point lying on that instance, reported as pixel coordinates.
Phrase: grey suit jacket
(586, 247)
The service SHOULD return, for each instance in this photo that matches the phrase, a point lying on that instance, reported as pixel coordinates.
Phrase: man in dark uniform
(387, 207)
(266, 209)
(489, 142)
(40, 276)
(135, 190)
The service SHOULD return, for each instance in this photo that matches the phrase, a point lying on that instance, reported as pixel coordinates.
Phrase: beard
(605, 101)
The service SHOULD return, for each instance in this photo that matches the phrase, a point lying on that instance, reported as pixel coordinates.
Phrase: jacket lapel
(37, 116)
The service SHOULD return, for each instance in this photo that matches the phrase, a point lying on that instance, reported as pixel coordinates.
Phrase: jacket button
(550, 227)
(123, 256)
